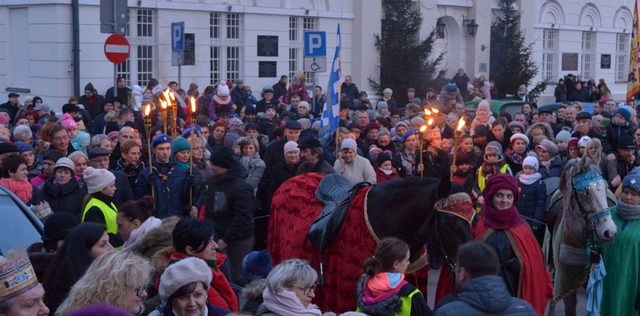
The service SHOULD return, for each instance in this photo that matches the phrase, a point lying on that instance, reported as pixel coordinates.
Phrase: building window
(550, 55)
(622, 57)
(145, 22)
(139, 68)
(587, 60)
(297, 26)
(214, 64)
(225, 32)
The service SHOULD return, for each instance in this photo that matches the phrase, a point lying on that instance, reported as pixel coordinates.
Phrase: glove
(191, 180)
(151, 179)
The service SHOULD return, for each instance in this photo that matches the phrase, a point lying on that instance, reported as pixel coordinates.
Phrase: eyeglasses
(306, 289)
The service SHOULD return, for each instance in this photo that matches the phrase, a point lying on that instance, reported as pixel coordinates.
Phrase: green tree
(404, 59)
(511, 62)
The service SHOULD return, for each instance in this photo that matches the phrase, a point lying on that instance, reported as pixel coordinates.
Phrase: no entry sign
(116, 48)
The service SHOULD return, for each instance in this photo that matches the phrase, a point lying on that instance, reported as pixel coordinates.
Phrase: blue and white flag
(331, 110)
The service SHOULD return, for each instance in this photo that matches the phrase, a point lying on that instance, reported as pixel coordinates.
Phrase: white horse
(583, 215)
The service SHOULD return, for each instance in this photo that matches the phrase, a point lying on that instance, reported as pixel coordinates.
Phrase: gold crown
(16, 276)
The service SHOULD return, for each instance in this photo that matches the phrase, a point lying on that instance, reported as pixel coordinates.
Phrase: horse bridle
(580, 184)
(451, 265)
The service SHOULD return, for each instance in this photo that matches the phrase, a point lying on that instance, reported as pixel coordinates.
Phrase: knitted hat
(23, 147)
(181, 273)
(521, 136)
(65, 162)
(348, 143)
(68, 122)
(382, 105)
(583, 141)
(624, 112)
(531, 161)
(401, 123)
(516, 124)
(291, 146)
(563, 136)
(549, 146)
(100, 309)
(97, 179)
(180, 144)
(501, 181)
(382, 157)
(223, 157)
(632, 180)
(387, 90)
(256, 265)
(16, 276)
(450, 87)
(493, 147)
(160, 139)
(573, 143)
(626, 142)
(383, 131)
(223, 90)
(58, 225)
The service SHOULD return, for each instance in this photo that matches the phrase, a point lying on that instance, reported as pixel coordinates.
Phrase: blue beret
(160, 139)
(408, 133)
(187, 132)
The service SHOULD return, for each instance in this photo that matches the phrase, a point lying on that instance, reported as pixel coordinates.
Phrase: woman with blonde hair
(117, 278)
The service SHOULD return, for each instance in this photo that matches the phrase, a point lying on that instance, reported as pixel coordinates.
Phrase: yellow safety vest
(405, 309)
(482, 182)
(110, 213)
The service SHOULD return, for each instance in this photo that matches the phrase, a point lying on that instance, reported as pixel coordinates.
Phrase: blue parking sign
(315, 44)
(177, 36)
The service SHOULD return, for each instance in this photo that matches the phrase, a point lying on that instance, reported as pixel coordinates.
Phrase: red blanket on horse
(293, 209)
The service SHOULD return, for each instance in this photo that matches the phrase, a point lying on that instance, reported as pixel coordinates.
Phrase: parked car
(19, 227)
(499, 106)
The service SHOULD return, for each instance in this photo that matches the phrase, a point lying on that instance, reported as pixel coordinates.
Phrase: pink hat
(68, 122)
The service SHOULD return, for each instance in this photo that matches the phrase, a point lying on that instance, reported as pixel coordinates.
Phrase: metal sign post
(177, 47)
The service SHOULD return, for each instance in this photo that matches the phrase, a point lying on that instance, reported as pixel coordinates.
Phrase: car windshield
(17, 231)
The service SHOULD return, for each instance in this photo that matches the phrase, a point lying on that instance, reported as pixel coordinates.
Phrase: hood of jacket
(160, 236)
(487, 293)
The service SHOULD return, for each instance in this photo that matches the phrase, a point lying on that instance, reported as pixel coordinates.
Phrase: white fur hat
(531, 161)
(291, 146)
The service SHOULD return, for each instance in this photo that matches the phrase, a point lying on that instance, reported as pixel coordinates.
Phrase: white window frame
(227, 46)
(588, 56)
(622, 57)
(297, 26)
(550, 55)
(140, 65)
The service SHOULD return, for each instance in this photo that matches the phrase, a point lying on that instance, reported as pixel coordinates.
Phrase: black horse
(403, 208)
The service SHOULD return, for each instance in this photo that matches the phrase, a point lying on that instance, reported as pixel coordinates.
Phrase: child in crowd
(533, 196)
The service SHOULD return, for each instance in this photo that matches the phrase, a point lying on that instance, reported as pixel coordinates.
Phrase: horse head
(585, 194)
(450, 227)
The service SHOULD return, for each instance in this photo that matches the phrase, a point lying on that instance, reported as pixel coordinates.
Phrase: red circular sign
(116, 48)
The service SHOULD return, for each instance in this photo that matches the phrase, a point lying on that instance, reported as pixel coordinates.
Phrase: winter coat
(255, 169)
(69, 197)
(170, 194)
(230, 205)
(553, 170)
(158, 238)
(612, 137)
(486, 295)
(531, 202)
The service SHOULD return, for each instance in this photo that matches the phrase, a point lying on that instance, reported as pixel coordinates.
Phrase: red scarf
(22, 189)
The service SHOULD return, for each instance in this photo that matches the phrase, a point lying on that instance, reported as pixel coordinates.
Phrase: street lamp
(471, 25)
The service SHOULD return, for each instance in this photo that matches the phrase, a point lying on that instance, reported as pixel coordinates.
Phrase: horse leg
(570, 303)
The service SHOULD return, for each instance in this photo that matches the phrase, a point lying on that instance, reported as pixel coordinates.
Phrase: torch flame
(163, 104)
(460, 124)
(147, 110)
(193, 104)
(423, 128)
(430, 122)
(434, 110)
(172, 95)
(427, 112)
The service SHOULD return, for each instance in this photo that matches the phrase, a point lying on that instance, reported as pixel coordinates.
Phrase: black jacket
(69, 197)
(230, 205)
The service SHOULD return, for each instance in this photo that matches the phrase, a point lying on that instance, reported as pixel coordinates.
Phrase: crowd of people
(185, 205)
